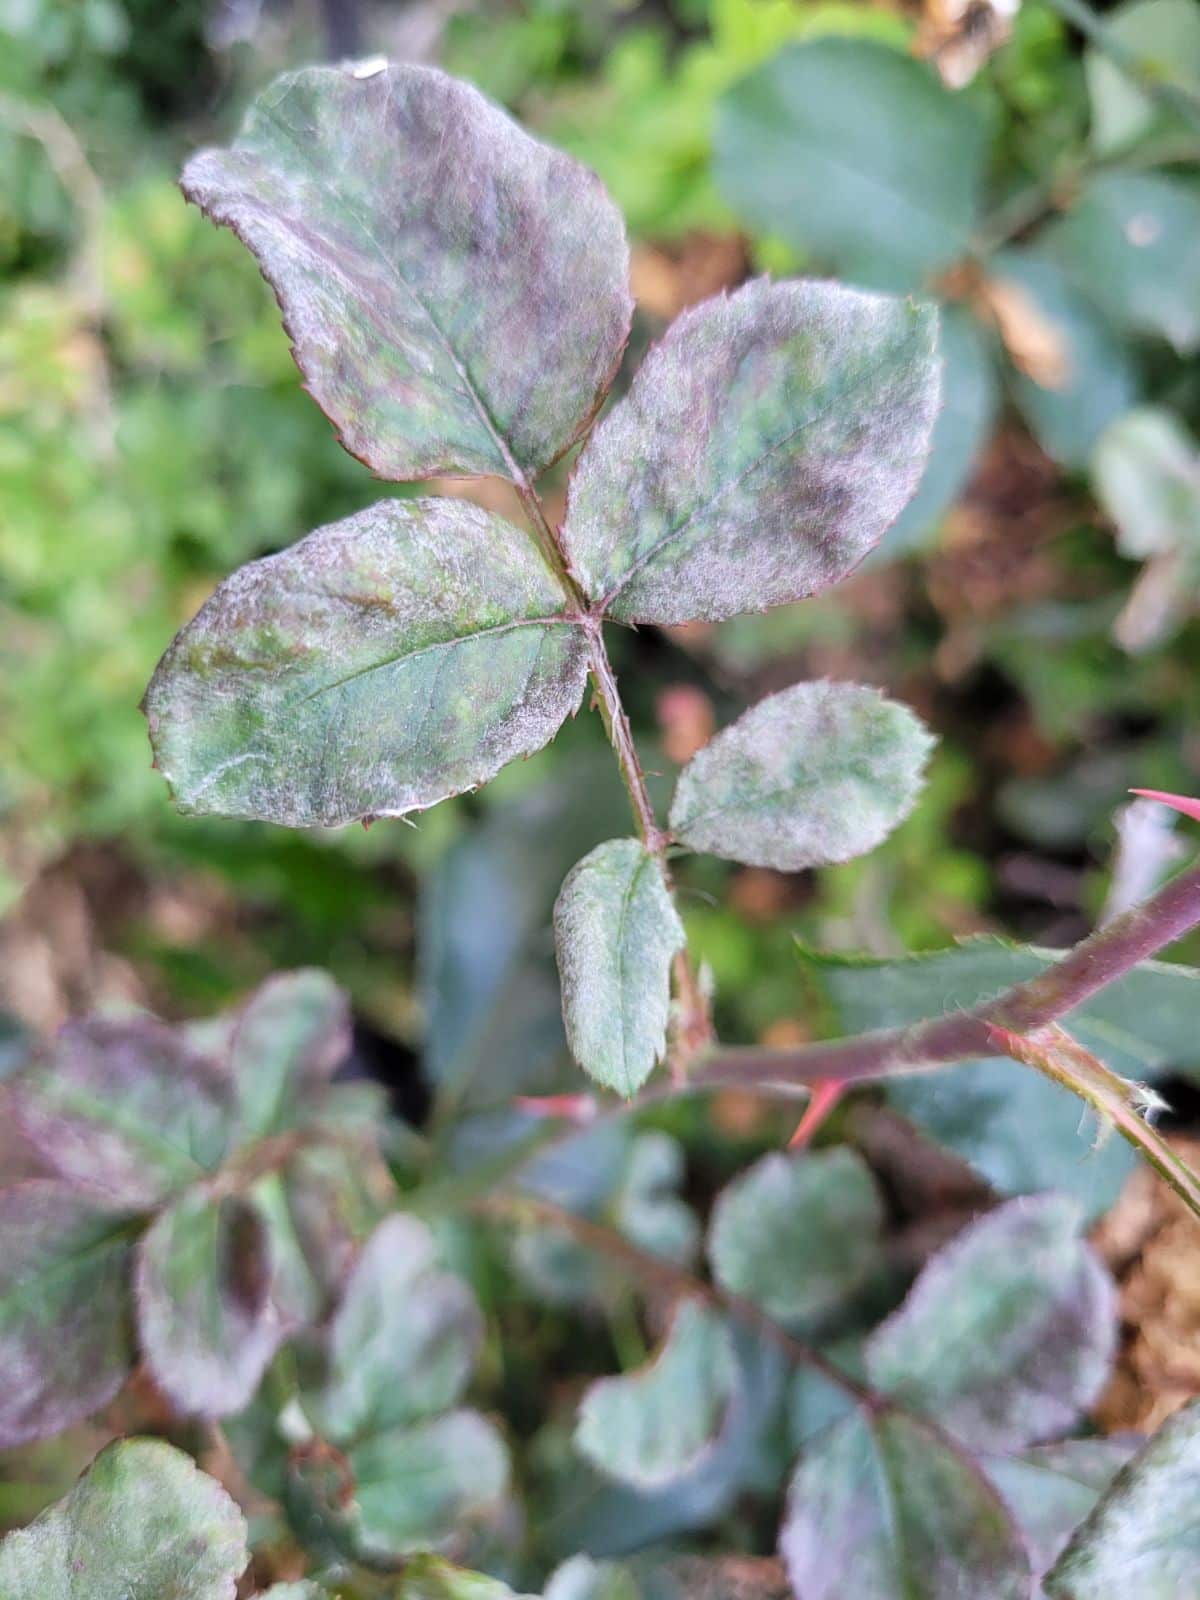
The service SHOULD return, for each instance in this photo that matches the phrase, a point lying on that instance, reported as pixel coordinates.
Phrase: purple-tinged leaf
(817, 774)
(403, 1341)
(651, 1427)
(1143, 1537)
(66, 1324)
(1008, 1335)
(143, 1521)
(126, 1106)
(455, 292)
(616, 931)
(799, 1235)
(289, 1038)
(881, 1506)
(380, 665)
(1051, 1488)
(764, 447)
(207, 1321)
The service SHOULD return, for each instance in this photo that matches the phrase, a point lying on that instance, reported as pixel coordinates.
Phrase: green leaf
(616, 931)
(206, 1318)
(1165, 36)
(383, 663)
(1131, 243)
(415, 1487)
(799, 1235)
(1051, 1488)
(1143, 1537)
(764, 447)
(970, 401)
(455, 292)
(819, 773)
(1146, 472)
(295, 1591)
(1008, 1335)
(648, 1207)
(403, 1341)
(881, 1507)
(653, 1426)
(855, 153)
(66, 1338)
(581, 1578)
(143, 1520)
(127, 1107)
(290, 1037)
(1098, 381)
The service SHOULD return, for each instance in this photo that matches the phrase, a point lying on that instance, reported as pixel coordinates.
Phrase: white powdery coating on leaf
(383, 663)
(456, 292)
(1143, 1538)
(764, 448)
(616, 931)
(207, 1323)
(651, 1427)
(817, 774)
(142, 1521)
(1008, 1335)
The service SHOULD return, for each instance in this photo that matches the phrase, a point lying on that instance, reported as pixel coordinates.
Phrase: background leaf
(1143, 1537)
(1165, 35)
(66, 1338)
(416, 1487)
(126, 1106)
(819, 773)
(479, 303)
(383, 663)
(764, 447)
(881, 1506)
(581, 1578)
(616, 931)
(650, 1427)
(809, 149)
(798, 1234)
(291, 1036)
(1092, 380)
(143, 1520)
(1146, 473)
(206, 1320)
(403, 1340)
(1009, 1333)
(1131, 243)
(964, 423)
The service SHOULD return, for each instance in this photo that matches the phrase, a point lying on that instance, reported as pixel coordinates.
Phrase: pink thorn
(578, 1108)
(824, 1097)
(1177, 802)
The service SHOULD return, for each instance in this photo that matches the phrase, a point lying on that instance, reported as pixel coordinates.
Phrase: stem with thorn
(1104, 956)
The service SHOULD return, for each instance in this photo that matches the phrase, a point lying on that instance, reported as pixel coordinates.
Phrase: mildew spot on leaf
(385, 662)
(764, 447)
(817, 774)
(615, 931)
(142, 1521)
(1009, 1333)
(456, 292)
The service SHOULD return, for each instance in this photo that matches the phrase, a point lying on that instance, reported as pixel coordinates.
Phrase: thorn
(824, 1098)
(1177, 802)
